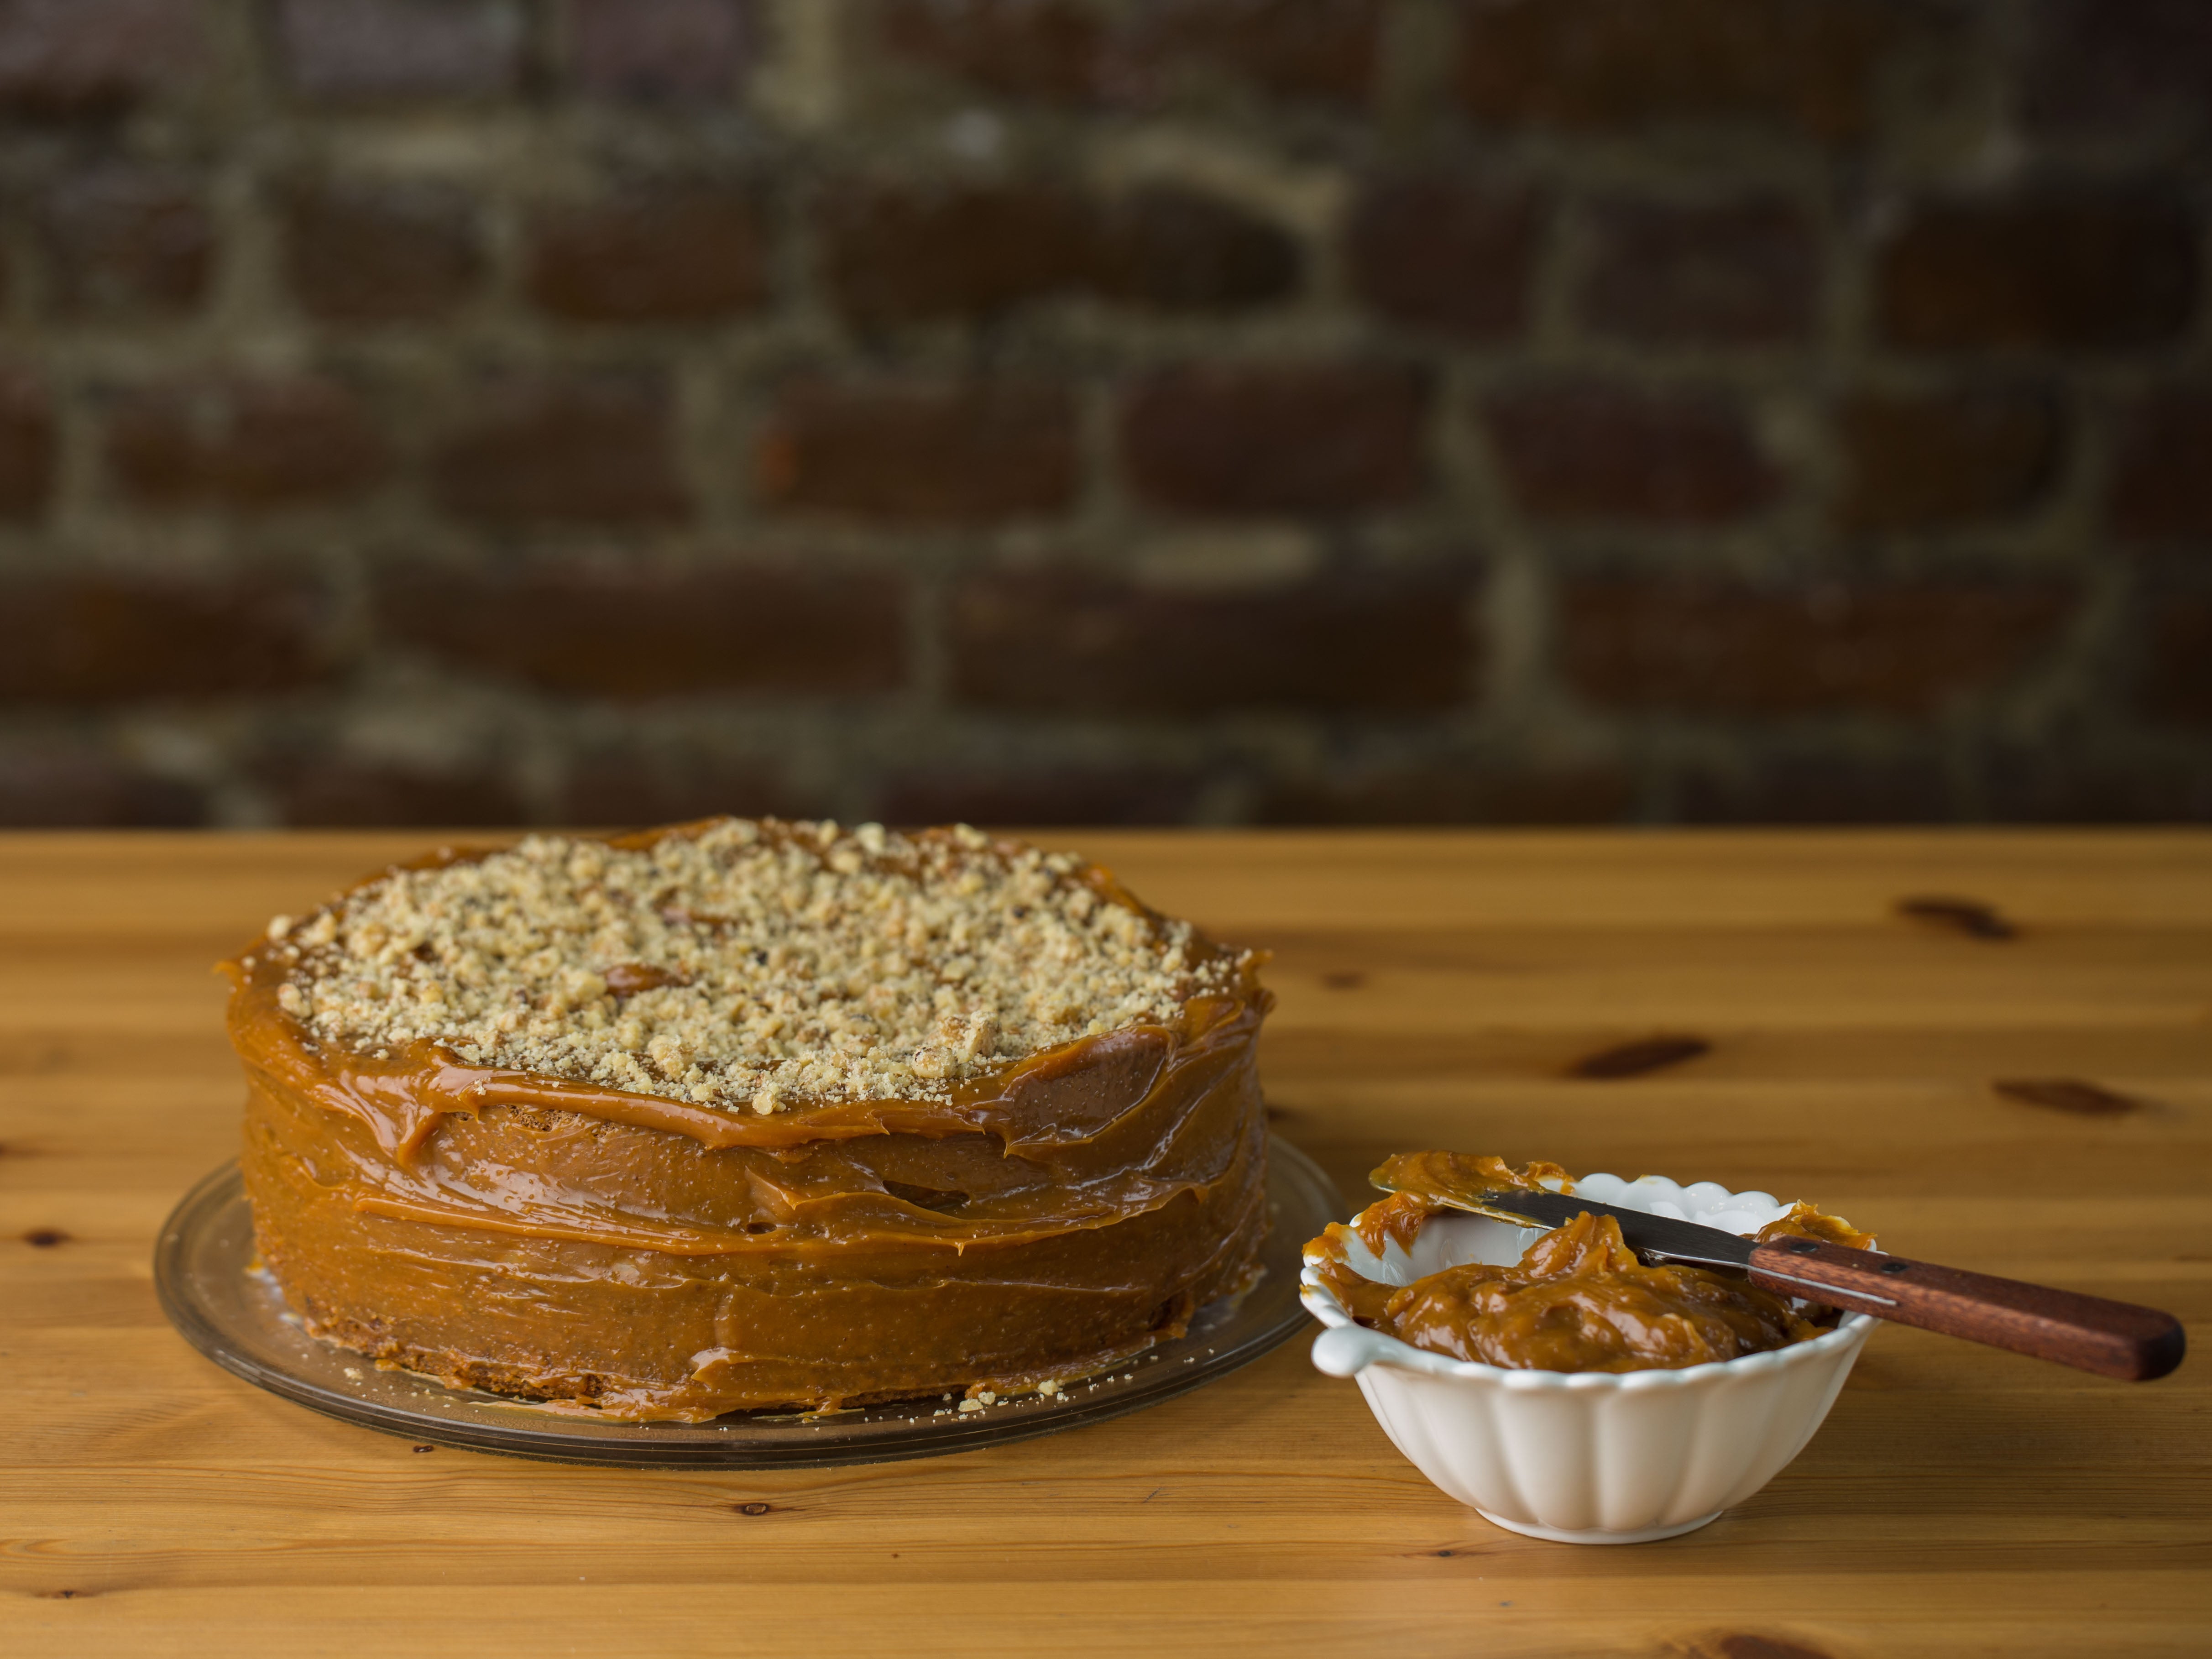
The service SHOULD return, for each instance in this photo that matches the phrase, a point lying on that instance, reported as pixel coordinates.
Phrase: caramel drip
(401, 1098)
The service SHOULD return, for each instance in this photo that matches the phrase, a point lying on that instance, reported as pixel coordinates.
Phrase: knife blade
(2091, 1332)
(1668, 1239)
(1655, 1235)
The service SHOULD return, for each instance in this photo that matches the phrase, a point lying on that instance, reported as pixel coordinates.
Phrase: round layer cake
(741, 1115)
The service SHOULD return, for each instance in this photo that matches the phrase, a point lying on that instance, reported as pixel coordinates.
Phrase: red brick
(341, 791)
(2107, 273)
(1308, 438)
(1717, 647)
(895, 255)
(363, 251)
(122, 237)
(2102, 68)
(356, 50)
(1467, 792)
(1067, 643)
(1070, 51)
(1046, 798)
(1176, 249)
(1740, 273)
(612, 631)
(26, 446)
(547, 451)
(78, 57)
(2162, 473)
(1803, 66)
(53, 788)
(1926, 461)
(2177, 674)
(94, 637)
(659, 49)
(1056, 50)
(246, 445)
(1821, 788)
(647, 257)
(1592, 452)
(629, 789)
(1323, 50)
(1446, 251)
(976, 453)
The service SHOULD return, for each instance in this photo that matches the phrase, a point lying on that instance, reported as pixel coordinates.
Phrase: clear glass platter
(202, 1271)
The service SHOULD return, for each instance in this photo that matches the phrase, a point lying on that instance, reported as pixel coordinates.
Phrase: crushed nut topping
(761, 965)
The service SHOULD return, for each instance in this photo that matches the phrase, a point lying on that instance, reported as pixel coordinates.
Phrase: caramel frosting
(648, 1255)
(1578, 1300)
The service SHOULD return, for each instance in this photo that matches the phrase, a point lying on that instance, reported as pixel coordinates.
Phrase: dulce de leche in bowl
(1577, 1300)
(1551, 1379)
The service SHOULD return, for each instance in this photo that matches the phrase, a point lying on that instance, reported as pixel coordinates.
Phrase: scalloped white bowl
(1589, 1458)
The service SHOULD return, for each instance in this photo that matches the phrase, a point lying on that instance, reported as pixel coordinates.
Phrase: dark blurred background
(1517, 411)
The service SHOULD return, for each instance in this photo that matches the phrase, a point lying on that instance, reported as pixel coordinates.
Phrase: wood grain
(1436, 989)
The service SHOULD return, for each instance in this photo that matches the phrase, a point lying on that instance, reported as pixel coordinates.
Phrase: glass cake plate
(204, 1273)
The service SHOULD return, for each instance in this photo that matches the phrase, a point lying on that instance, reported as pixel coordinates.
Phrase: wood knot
(1646, 1054)
(755, 1508)
(1349, 980)
(425, 1449)
(2069, 1094)
(1742, 1644)
(45, 1238)
(1961, 915)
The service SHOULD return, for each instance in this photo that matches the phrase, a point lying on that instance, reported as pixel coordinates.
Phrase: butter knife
(2113, 1339)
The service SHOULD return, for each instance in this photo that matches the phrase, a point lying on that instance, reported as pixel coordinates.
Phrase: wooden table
(1436, 990)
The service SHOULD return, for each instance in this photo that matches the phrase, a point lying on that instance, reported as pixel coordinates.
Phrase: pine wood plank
(1435, 988)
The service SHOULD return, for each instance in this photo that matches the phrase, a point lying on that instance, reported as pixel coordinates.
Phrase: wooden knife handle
(2113, 1339)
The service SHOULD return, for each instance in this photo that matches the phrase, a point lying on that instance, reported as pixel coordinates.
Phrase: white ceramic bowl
(1590, 1457)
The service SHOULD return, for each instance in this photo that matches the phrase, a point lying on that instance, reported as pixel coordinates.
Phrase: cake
(744, 1115)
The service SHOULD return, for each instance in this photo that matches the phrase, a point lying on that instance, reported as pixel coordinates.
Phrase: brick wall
(467, 411)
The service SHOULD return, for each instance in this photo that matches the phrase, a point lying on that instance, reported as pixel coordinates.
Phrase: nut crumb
(745, 964)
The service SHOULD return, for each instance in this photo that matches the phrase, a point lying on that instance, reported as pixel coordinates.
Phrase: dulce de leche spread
(744, 1115)
(1578, 1300)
